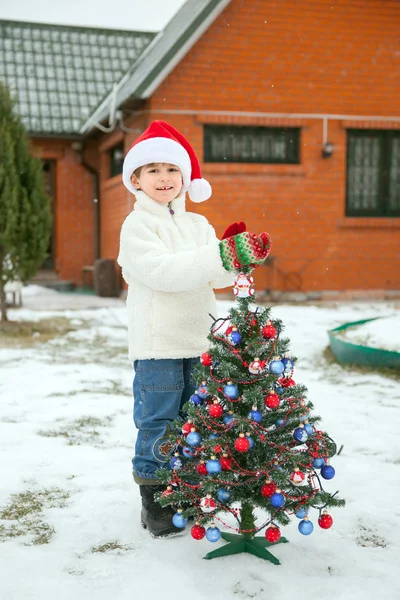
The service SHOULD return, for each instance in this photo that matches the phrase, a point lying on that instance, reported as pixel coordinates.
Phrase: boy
(171, 262)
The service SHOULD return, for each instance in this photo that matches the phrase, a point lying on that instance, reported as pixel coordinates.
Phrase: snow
(80, 385)
(383, 333)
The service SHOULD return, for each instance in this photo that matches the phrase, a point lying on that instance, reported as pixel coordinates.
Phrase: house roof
(60, 74)
(161, 56)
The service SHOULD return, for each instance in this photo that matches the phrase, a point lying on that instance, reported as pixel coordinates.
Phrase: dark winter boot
(155, 518)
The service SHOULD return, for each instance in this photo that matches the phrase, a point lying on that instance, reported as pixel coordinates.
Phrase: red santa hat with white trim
(162, 143)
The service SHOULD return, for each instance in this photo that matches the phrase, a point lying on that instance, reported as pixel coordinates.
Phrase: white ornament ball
(208, 504)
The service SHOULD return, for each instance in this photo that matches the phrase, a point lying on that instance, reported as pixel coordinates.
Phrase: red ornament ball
(273, 534)
(268, 331)
(325, 521)
(201, 468)
(215, 410)
(225, 462)
(206, 359)
(268, 489)
(198, 532)
(242, 443)
(187, 427)
(271, 400)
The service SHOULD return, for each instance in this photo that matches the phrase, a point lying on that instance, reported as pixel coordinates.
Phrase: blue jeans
(160, 389)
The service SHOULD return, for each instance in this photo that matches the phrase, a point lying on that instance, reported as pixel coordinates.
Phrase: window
(116, 155)
(268, 145)
(373, 173)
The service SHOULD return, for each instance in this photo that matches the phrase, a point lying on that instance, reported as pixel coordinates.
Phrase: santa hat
(162, 143)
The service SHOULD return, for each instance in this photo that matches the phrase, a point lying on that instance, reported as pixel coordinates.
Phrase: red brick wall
(73, 209)
(291, 57)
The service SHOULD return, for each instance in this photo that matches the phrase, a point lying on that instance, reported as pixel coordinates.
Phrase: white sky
(149, 15)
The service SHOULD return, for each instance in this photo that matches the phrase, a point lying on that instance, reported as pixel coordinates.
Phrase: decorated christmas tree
(249, 441)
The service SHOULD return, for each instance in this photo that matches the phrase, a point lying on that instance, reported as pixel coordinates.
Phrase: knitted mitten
(244, 250)
(234, 229)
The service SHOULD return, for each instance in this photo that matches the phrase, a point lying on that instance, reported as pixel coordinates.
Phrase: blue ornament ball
(193, 438)
(276, 367)
(188, 452)
(287, 363)
(277, 500)
(176, 462)
(306, 527)
(228, 419)
(255, 415)
(223, 495)
(300, 434)
(231, 391)
(213, 534)
(318, 463)
(301, 513)
(195, 399)
(278, 388)
(212, 436)
(280, 422)
(251, 441)
(328, 472)
(202, 391)
(213, 466)
(309, 428)
(277, 466)
(179, 520)
(236, 338)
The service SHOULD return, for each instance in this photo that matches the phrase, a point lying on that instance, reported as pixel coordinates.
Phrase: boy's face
(161, 181)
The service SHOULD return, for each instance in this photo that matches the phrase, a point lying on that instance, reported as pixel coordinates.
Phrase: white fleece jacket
(171, 264)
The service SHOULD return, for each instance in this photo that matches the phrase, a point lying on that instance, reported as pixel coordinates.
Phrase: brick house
(291, 107)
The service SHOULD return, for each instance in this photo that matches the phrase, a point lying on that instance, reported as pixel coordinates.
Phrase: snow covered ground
(66, 435)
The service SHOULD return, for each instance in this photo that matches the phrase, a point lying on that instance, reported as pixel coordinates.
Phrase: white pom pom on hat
(199, 190)
(161, 142)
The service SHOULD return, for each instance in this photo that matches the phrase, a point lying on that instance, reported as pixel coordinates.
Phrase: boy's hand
(244, 250)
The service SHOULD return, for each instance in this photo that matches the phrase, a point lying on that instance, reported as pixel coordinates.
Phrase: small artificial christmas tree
(249, 439)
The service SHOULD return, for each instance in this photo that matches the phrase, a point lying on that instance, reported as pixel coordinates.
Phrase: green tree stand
(239, 543)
